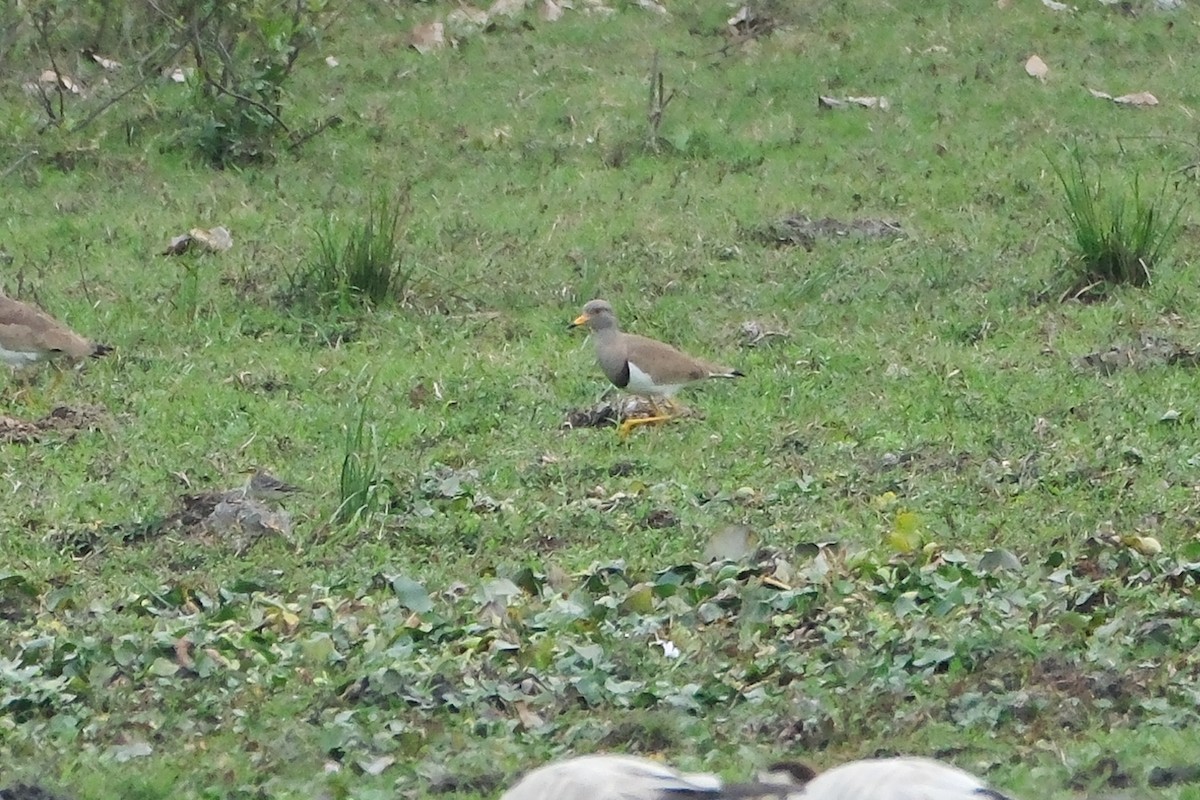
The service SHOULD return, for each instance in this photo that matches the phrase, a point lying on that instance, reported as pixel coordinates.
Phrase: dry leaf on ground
(597, 7)
(1053, 6)
(213, 240)
(1135, 99)
(882, 103)
(183, 653)
(50, 78)
(742, 18)
(428, 37)
(731, 543)
(466, 21)
(530, 719)
(1036, 68)
(109, 64)
(650, 5)
(506, 8)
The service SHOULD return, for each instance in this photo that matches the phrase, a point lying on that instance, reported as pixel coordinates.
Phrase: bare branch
(657, 103)
(41, 23)
(13, 166)
(303, 137)
(251, 101)
(147, 76)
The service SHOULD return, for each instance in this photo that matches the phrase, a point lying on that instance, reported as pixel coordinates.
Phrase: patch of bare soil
(660, 518)
(192, 512)
(456, 784)
(608, 413)
(28, 791)
(1170, 776)
(921, 462)
(232, 513)
(641, 735)
(1104, 771)
(225, 516)
(1151, 350)
(16, 431)
(803, 231)
(1069, 680)
(754, 333)
(897, 471)
(62, 420)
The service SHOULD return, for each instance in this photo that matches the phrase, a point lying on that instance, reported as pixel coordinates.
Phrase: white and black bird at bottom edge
(621, 777)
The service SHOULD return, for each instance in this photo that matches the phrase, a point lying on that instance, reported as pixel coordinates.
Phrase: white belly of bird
(641, 383)
(19, 358)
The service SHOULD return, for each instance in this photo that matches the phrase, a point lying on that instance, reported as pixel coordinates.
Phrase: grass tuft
(1119, 236)
(362, 479)
(358, 265)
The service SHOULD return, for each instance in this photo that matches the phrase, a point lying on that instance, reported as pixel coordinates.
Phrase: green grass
(357, 266)
(1118, 235)
(361, 482)
(933, 376)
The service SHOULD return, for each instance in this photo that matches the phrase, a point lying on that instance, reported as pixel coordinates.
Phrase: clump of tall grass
(362, 490)
(1119, 234)
(359, 263)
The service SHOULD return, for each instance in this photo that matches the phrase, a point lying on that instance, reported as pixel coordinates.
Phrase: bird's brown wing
(669, 365)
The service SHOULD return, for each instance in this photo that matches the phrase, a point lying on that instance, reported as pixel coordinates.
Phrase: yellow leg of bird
(22, 389)
(29, 396)
(55, 384)
(657, 414)
(628, 425)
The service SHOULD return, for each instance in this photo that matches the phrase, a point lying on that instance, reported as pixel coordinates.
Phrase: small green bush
(1118, 235)
(244, 54)
(238, 59)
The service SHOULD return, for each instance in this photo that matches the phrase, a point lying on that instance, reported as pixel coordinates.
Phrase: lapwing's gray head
(597, 315)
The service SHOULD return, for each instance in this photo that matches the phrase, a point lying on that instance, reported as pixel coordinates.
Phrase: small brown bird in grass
(643, 366)
(262, 485)
(29, 335)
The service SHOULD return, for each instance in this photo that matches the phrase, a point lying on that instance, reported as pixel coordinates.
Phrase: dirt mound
(62, 420)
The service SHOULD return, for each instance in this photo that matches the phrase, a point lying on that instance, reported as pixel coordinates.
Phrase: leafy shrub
(237, 58)
(1118, 235)
(243, 54)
